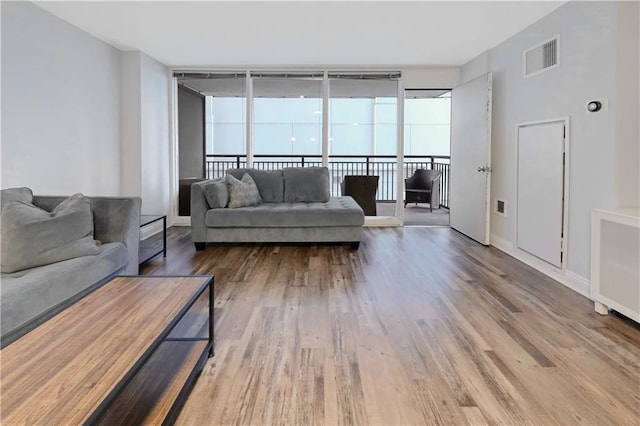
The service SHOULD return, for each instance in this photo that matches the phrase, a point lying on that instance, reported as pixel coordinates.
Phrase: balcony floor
(417, 215)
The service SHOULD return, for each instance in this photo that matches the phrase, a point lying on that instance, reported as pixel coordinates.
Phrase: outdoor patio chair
(423, 187)
(363, 189)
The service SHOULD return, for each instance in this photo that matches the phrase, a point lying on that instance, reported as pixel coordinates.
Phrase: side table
(150, 249)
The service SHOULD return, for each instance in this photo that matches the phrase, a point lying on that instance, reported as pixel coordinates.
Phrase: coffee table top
(61, 372)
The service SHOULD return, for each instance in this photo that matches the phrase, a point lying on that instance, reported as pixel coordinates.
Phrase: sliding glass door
(363, 138)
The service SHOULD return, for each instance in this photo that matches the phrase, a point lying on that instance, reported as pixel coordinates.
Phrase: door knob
(484, 169)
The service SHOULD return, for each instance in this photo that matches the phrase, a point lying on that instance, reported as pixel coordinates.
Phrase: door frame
(565, 192)
(404, 124)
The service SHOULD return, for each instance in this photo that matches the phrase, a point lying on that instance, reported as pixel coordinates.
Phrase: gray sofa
(296, 207)
(31, 296)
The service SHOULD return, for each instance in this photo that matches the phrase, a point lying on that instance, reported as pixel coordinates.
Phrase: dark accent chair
(184, 195)
(362, 189)
(423, 187)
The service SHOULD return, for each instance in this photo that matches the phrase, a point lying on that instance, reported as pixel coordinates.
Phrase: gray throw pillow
(216, 193)
(243, 193)
(23, 194)
(306, 184)
(270, 183)
(33, 237)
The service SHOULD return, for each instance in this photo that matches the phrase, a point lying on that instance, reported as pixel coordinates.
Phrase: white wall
(430, 78)
(155, 136)
(627, 150)
(145, 131)
(475, 67)
(130, 127)
(589, 61)
(60, 105)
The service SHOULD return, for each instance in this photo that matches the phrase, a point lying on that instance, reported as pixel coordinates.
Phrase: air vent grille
(542, 57)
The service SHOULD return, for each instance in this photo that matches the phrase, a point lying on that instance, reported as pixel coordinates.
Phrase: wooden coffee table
(128, 352)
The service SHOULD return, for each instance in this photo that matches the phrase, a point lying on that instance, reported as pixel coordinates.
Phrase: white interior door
(540, 190)
(471, 158)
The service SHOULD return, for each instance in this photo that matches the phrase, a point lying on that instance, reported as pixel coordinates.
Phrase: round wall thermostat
(594, 106)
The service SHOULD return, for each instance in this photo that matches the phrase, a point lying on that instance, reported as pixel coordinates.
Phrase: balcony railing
(383, 166)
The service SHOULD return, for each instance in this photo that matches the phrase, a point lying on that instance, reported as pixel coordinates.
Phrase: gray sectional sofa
(29, 297)
(296, 207)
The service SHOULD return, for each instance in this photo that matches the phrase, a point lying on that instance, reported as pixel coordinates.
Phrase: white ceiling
(303, 33)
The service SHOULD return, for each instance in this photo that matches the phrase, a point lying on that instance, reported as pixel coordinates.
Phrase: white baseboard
(501, 244)
(579, 283)
(181, 221)
(567, 278)
(381, 221)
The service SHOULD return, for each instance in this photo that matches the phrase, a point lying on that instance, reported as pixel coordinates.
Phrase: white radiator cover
(615, 261)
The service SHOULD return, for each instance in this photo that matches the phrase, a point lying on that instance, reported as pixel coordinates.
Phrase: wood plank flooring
(419, 326)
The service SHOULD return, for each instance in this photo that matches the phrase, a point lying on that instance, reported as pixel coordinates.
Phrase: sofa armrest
(199, 208)
(115, 219)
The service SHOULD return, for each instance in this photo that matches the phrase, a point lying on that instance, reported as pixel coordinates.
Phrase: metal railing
(383, 166)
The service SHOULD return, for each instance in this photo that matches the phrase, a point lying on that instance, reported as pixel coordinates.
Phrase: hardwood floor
(419, 326)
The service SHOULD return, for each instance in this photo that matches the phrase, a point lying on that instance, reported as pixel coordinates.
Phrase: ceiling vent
(542, 57)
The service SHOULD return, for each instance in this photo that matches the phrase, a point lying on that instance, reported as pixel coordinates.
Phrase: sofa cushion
(32, 236)
(243, 193)
(217, 193)
(270, 183)
(16, 194)
(27, 294)
(340, 211)
(306, 184)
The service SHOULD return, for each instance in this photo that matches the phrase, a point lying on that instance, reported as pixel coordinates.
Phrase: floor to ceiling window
(226, 117)
(344, 120)
(363, 137)
(287, 120)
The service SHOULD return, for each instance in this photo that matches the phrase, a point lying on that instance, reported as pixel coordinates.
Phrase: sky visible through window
(357, 126)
